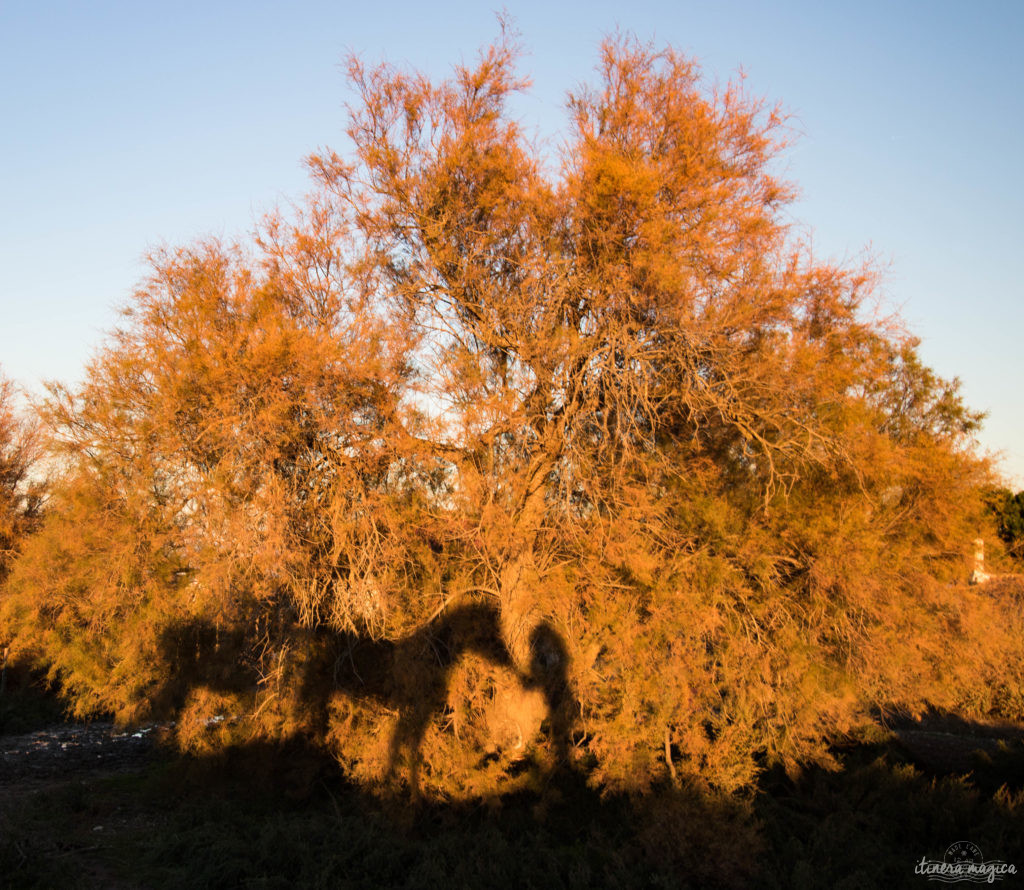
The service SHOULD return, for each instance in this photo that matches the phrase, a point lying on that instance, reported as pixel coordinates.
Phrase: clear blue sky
(128, 125)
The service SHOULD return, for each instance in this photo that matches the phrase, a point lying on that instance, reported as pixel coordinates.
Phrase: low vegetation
(258, 818)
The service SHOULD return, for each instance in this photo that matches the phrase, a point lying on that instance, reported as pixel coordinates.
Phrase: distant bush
(1007, 509)
(21, 489)
(22, 492)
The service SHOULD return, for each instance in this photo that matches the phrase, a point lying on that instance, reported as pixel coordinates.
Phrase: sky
(128, 126)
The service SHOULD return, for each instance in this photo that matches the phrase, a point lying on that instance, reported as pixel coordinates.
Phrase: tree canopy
(612, 397)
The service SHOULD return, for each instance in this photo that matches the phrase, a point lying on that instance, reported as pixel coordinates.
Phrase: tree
(21, 493)
(22, 490)
(710, 496)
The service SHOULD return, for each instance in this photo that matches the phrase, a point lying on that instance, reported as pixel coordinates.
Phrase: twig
(668, 754)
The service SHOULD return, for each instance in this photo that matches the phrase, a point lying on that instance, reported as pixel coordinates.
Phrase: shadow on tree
(408, 679)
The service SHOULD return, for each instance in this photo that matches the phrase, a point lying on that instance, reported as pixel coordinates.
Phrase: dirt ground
(70, 751)
(55, 825)
(61, 752)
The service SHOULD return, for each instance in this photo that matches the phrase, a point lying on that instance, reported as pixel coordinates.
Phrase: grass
(868, 825)
(263, 818)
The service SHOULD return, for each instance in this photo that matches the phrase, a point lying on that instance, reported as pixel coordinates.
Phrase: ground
(88, 805)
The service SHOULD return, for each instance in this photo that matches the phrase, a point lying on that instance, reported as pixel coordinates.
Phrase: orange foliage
(717, 508)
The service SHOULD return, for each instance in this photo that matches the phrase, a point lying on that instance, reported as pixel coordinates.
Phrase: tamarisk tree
(606, 391)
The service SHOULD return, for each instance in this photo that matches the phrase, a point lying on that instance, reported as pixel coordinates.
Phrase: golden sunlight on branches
(473, 464)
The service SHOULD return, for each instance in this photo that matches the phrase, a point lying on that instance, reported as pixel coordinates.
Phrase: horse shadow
(410, 676)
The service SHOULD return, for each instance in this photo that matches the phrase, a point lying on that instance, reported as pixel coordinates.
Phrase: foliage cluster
(22, 497)
(610, 397)
(1008, 510)
(21, 491)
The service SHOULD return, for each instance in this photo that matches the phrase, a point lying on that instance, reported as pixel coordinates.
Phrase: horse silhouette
(409, 676)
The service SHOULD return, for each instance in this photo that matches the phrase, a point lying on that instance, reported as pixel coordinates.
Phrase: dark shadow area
(200, 654)
(409, 676)
(27, 701)
(549, 673)
(262, 816)
(285, 815)
(870, 823)
(941, 742)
